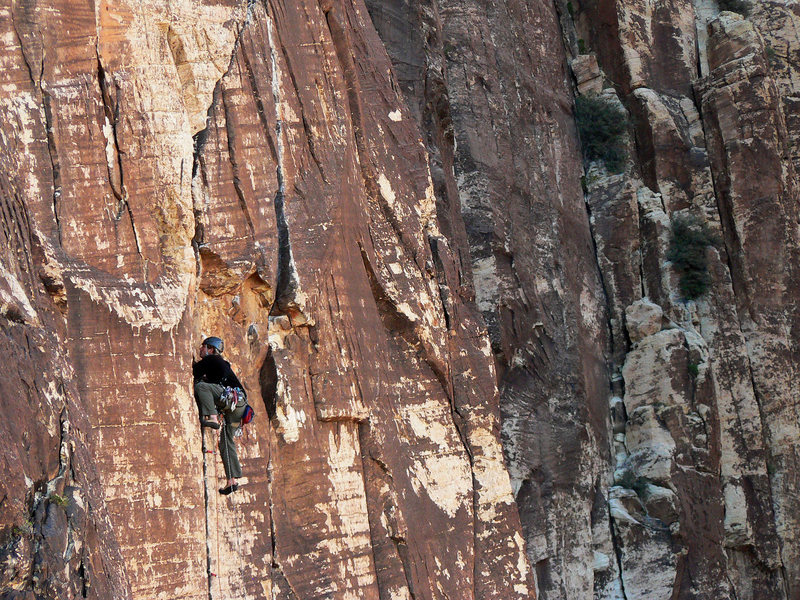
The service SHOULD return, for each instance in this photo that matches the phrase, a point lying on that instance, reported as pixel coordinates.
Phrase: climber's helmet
(214, 342)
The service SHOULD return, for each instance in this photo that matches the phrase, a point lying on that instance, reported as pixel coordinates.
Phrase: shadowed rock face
(680, 485)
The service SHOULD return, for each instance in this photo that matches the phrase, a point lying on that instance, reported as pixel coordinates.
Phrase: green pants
(208, 395)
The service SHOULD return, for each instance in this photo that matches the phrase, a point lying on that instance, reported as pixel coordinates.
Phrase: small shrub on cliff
(24, 530)
(688, 243)
(602, 126)
(59, 500)
(738, 6)
(772, 56)
(631, 481)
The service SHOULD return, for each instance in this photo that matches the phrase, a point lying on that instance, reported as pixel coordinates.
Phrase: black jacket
(212, 368)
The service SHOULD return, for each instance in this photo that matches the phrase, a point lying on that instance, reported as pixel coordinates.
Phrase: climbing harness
(230, 398)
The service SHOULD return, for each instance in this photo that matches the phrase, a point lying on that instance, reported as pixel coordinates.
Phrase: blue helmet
(214, 342)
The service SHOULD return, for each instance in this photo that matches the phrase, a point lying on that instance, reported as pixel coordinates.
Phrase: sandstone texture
(706, 396)
(499, 122)
(680, 492)
(475, 368)
(173, 170)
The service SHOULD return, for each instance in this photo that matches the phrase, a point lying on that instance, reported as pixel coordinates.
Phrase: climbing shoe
(229, 490)
(212, 424)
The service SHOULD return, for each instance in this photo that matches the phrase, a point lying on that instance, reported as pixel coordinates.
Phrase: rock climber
(212, 374)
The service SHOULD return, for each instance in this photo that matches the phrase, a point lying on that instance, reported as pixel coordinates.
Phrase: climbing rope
(206, 498)
(239, 522)
(216, 518)
(212, 575)
(214, 563)
(229, 431)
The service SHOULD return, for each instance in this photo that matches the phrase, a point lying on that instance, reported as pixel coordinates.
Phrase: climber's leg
(207, 394)
(227, 451)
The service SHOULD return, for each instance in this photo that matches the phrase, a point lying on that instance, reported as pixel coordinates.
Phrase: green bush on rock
(59, 500)
(689, 240)
(602, 126)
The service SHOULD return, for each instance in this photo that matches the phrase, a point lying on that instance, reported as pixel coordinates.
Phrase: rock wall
(674, 481)
(475, 371)
(690, 142)
(502, 139)
(250, 170)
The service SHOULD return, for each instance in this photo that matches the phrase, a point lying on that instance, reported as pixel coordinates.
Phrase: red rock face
(382, 208)
(515, 173)
(695, 494)
(249, 171)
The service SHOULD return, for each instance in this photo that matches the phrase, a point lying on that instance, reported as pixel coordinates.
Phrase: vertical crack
(111, 112)
(237, 181)
(268, 382)
(287, 283)
(83, 575)
(55, 165)
(113, 153)
(441, 280)
(609, 309)
(286, 279)
(64, 456)
(133, 227)
(198, 167)
(272, 536)
(38, 53)
(36, 79)
(617, 553)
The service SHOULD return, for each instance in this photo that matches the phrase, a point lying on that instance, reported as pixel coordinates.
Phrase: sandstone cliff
(650, 438)
(247, 169)
(474, 369)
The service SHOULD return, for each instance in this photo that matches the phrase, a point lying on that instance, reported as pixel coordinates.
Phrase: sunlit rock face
(251, 170)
